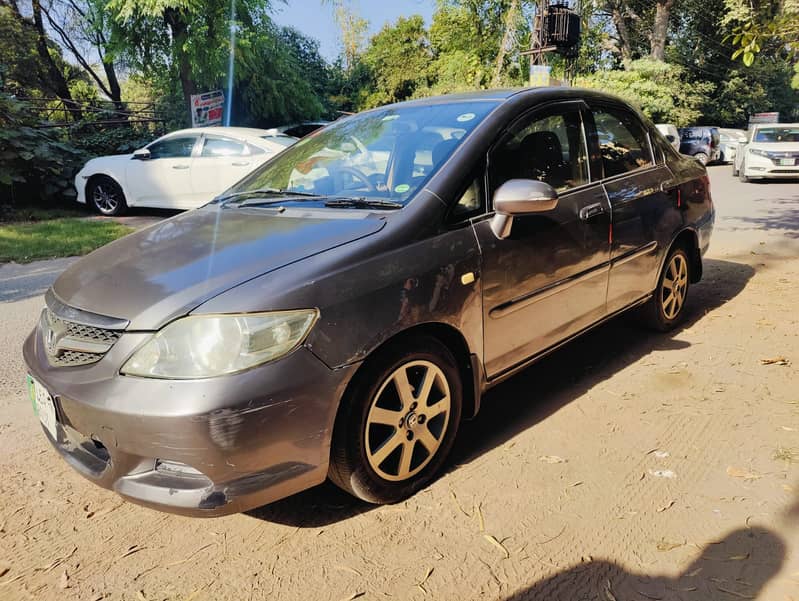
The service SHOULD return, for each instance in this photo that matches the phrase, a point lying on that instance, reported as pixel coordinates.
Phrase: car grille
(69, 343)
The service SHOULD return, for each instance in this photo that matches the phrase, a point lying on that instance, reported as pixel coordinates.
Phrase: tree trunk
(178, 28)
(507, 40)
(660, 29)
(58, 83)
(623, 31)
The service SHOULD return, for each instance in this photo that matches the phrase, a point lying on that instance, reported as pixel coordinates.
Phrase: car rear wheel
(666, 308)
(701, 157)
(106, 196)
(398, 423)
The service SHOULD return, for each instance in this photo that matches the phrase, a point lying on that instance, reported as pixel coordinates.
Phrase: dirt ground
(628, 466)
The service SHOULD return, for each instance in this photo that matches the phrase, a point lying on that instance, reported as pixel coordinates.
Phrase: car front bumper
(80, 186)
(194, 447)
(757, 166)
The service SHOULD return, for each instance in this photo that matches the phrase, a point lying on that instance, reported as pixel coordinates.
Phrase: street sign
(207, 108)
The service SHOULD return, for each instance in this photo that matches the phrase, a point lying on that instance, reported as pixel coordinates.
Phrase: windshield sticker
(466, 117)
(402, 188)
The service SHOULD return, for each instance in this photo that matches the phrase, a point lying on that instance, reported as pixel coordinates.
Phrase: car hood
(776, 146)
(107, 160)
(164, 271)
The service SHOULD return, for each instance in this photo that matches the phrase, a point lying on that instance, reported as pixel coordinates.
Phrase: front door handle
(590, 211)
(241, 164)
(180, 166)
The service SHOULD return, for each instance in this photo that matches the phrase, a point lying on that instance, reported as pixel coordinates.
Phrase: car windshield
(384, 154)
(777, 134)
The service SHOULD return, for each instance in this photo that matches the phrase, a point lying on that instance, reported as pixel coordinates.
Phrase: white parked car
(729, 141)
(181, 170)
(772, 151)
(671, 133)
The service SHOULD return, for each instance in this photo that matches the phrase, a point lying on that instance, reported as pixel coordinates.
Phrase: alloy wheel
(105, 199)
(674, 287)
(407, 420)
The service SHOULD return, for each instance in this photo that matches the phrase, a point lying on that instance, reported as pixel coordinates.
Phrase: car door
(638, 188)
(163, 179)
(220, 163)
(548, 279)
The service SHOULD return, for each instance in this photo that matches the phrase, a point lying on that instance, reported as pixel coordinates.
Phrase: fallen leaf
(497, 544)
(734, 593)
(4, 570)
(63, 582)
(775, 361)
(663, 473)
(668, 546)
(354, 596)
(140, 596)
(552, 459)
(480, 516)
(458, 505)
(665, 507)
(736, 472)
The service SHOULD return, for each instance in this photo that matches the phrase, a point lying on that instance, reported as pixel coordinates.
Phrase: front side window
(384, 154)
(172, 148)
(548, 148)
(623, 142)
(222, 147)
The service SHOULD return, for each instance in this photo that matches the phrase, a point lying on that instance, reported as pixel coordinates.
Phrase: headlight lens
(205, 346)
(758, 152)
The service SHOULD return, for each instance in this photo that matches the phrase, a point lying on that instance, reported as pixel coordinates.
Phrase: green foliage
(32, 162)
(23, 242)
(662, 91)
(122, 139)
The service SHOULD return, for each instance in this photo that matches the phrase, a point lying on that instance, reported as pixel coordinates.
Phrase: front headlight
(758, 152)
(205, 346)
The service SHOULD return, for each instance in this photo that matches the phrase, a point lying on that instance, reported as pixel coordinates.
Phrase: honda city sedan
(338, 312)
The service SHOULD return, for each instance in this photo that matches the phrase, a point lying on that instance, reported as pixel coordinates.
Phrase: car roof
(234, 132)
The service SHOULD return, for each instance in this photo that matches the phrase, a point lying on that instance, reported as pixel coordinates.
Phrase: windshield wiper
(264, 192)
(362, 202)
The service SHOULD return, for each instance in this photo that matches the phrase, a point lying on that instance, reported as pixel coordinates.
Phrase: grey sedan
(342, 309)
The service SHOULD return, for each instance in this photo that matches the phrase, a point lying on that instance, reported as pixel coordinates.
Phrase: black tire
(742, 173)
(702, 157)
(721, 160)
(659, 313)
(734, 170)
(106, 196)
(359, 435)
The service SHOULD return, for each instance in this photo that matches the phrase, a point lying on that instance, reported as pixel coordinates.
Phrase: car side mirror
(142, 154)
(518, 197)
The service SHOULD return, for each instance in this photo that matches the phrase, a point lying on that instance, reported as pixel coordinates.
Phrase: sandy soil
(628, 466)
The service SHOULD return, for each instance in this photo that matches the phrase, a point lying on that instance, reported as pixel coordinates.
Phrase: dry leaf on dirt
(736, 472)
(552, 459)
(63, 582)
(665, 545)
(666, 506)
(497, 544)
(775, 361)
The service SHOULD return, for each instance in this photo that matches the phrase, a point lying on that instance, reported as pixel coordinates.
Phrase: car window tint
(623, 142)
(178, 147)
(222, 147)
(470, 202)
(550, 149)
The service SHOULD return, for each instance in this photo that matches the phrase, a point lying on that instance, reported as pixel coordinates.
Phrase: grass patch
(62, 237)
(33, 214)
(786, 455)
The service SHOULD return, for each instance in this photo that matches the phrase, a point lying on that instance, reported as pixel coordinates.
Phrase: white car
(729, 141)
(671, 133)
(181, 170)
(772, 151)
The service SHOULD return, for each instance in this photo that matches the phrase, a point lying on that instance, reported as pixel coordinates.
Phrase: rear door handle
(180, 166)
(590, 211)
(241, 164)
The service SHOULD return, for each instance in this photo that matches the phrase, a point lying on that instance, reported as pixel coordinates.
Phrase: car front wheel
(106, 196)
(398, 424)
(742, 173)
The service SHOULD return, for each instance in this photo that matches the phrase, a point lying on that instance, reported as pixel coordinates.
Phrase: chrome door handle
(590, 211)
(241, 164)
(180, 166)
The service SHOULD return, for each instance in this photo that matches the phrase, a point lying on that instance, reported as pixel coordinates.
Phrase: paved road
(627, 466)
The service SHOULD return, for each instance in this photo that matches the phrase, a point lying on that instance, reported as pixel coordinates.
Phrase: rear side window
(178, 147)
(623, 142)
(222, 147)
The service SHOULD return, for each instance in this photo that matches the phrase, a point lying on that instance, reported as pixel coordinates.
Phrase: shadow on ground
(555, 380)
(738, 566)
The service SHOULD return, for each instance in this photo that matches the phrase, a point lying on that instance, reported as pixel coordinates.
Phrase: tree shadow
(739, 566)
(557, 380)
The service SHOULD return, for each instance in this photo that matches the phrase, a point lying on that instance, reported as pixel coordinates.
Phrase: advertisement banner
(764, 118)
(539, 76)
(207, 108)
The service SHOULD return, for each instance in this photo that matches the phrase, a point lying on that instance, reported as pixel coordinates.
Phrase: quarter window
(623, 142)
(172, 148)
(548, 148)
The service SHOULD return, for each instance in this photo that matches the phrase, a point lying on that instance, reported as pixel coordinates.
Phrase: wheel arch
(689, 241)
